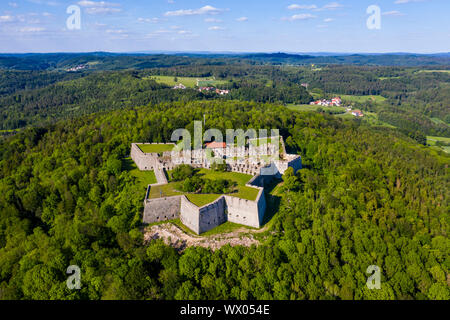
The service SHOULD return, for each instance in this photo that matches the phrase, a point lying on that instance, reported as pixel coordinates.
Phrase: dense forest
(366, 196)
(110, 90)
(117, 61)
(414, 99)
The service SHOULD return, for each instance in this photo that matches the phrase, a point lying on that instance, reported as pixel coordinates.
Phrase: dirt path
(174, 236)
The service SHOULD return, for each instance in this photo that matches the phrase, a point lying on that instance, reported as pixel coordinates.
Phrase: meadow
(144, 178)
(441, 143)
(155, 148)
(240, 191)
(190, 82)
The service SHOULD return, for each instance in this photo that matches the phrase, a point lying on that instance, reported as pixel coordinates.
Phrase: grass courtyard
(155, 148)
(240, 191)
(190, 82)
(144, 178)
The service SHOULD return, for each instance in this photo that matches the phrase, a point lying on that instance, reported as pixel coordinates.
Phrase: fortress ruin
(226, 207)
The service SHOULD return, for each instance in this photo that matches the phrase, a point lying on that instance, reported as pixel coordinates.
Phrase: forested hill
(51, 96)
(115, 61)
(366, 196)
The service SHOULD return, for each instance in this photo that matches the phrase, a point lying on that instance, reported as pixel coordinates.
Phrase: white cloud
(174, 31)
(48, 3)
(242, 19)
(149, 20)
(302, 7)
(7, 18)
(99, 7)
(393, 13)
(13, 4)
(116, 31)
(212, 20)
(328, 6)
(328, 20)
(31, 29)
(407, 1)
(87, 3)
(102, 10)
(191, 12)
(216, 28)
(302, 16)
(332, 6)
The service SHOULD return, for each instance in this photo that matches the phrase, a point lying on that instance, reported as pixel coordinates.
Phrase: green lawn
(362, 99)
(432, 142)
(190, 82)
(201, 200)
(155, 148)
(144, 178)
(226, 227)
(444, 71)
(438, 121)
(388, 78)
(308, 107)
(241, 190)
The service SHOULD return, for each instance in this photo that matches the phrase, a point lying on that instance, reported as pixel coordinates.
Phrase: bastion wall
(225, 208)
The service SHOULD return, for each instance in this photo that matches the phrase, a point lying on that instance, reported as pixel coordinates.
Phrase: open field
(144, 178)
(445, 143)
(428, 71)
(155, 148)
(362, 99)
(388, 78)
(190, 82)
(308, 107)
(241, 190)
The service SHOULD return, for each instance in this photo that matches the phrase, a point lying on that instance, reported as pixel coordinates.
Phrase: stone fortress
(226, 207)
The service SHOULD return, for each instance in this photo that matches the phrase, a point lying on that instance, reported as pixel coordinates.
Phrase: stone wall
(291, 161)
(212, 215)
(190, 215)
(161, 176)
(144, 161)
(161, 209)
(242, 211)
(225, 208)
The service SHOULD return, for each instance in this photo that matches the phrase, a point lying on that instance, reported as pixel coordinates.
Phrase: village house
(180, 86)
(328, 103)
(212, 89)
(357, 113)
(218, 148)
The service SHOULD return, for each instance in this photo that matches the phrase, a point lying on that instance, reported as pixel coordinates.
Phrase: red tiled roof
(215, 145)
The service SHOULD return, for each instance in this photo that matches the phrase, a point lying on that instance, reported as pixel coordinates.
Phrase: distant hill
(118, 61)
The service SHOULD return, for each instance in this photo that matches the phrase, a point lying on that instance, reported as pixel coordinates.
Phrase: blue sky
(421, 26)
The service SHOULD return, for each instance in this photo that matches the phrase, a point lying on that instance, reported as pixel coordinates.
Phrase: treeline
(365, 197)
(93, 93)
(12, 81)
(110, 90)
